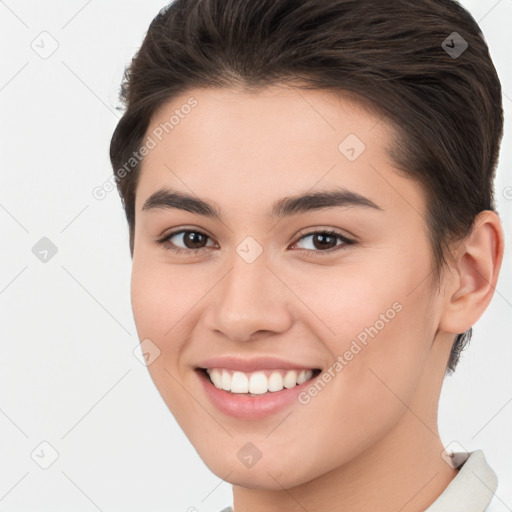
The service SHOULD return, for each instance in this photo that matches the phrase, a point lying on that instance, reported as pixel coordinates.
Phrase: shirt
(470, 491)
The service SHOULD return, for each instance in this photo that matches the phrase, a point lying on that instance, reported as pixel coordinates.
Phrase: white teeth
(257, 383)
(275, 382)
(216, 378)
(290, 379)
(225, 381)
(239, 383)
(303, 377)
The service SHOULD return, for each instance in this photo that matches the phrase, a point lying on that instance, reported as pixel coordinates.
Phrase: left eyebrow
(338, 197)
(287, 206)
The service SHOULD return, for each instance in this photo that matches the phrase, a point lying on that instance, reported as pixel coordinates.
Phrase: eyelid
(165, 239)
(304, 233)
(327, 229)
(346, 241)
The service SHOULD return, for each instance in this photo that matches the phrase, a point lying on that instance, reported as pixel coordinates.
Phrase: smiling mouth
(258, 382)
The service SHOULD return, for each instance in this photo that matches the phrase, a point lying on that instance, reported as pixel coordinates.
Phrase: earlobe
(476, 269)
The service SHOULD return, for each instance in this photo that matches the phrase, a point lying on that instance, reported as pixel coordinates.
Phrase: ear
(474, 274)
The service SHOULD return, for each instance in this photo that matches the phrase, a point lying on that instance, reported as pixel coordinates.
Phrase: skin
(369, 440)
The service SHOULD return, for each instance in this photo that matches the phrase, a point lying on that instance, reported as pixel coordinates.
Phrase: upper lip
(252, 364)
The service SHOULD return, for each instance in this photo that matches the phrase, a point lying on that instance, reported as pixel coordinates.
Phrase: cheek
(163, 299)
(376, 322)
(162, 313)
(365, 298)
(158, 305)
(148, 302)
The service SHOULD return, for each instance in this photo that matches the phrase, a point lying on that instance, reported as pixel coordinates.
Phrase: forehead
(214, 142)
(306, 115)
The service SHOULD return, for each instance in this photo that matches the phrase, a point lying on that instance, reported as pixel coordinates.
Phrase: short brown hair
(446, 107)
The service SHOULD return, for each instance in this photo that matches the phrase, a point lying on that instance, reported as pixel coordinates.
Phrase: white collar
(472, 489)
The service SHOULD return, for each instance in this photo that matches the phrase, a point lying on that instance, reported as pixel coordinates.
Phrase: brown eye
(325, 241)
(191, 241)
(322, 241)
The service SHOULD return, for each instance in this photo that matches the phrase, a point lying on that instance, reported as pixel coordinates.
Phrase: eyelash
(346, 242)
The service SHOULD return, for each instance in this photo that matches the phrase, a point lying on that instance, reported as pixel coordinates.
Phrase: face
(270, 276)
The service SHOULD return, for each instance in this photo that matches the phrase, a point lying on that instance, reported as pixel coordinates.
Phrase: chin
(272, 474)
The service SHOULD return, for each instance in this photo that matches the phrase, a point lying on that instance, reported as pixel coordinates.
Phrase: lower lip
(251, 407)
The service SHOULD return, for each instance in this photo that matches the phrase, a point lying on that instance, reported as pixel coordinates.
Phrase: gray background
(69, 375)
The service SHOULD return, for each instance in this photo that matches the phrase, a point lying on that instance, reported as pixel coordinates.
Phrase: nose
(249, 300)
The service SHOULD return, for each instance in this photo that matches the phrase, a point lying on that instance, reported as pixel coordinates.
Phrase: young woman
(308, 186)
